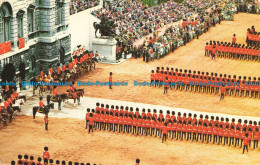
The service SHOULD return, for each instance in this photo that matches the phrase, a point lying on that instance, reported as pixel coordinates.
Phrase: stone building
(33, 35)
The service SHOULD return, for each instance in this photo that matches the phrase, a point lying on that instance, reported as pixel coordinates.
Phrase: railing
(5, 47)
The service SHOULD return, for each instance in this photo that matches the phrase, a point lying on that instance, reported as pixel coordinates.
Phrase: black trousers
(178, 135)
(183, 135)
(152, 131)
(111, 127)
(125, 128)
(120, 128)
(46, 125)
(255, 144)
(87, 123)
(139, 130)
(225, 140)
(164, 137)
(219, 140)
(90, 128)
(199, 135)
(245, 146)
(148, 131)
(129, 128)
(115, 127)
(134, 129)
(215, 138)
(231, 140)
(209, 138)
(237, 142)
(194, 137)
(173, 134)
(204, 137)
(189, 136)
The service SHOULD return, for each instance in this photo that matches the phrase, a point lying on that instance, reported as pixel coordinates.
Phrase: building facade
(33, 35)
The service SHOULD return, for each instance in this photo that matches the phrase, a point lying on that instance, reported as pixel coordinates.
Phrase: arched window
(58, 12)
(30, 18)
(6, 16)
(19, 17)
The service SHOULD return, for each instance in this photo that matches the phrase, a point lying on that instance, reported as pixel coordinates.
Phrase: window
(58, 13)
(1, 27)
(19, 18)
(30, 22)
(5, 19)
(7, 29)
(20, 27)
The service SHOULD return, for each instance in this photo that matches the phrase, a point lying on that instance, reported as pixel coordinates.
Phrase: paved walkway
(79, 111)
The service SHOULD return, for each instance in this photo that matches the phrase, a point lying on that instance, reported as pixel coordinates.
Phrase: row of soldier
(215, 130)
(46, 160)
(232, 50)
(205, 82)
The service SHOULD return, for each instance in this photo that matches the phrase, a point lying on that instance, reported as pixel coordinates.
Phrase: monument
(106, 44)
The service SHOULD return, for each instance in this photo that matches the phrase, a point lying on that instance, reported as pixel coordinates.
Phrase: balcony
(5, 47)
(21, 43)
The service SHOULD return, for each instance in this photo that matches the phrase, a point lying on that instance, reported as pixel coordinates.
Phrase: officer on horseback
(41, 105)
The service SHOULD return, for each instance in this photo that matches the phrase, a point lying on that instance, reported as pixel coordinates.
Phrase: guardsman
(46, 154)
(237, 136)
(246, 140)
(137, 161)
(59, 69)
(64, 67)
(42, 74)
(164, 131)
(152, 77)
(50, 70)
(91, 122)
(234, 39)
(39, 161)
(110, 80)
(87, 117)
(46, 120)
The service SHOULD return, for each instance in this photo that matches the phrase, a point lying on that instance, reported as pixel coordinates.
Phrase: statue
(106, 27)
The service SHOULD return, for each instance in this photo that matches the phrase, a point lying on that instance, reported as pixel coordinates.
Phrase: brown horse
(75, 96)
(39, 85)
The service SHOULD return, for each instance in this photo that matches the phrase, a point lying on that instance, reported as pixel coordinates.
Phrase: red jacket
(164, 130)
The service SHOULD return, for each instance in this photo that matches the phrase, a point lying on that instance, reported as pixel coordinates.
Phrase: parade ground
(67, 127)
(190, 57)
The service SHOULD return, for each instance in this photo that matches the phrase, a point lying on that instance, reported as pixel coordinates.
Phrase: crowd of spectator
(135, 20)
(175, 36)
(80, 5)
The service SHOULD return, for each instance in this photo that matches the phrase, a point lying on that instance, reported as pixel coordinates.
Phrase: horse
(44, 110)
(39, 85)
(76, 96)
(56, 99)
(3, 117)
